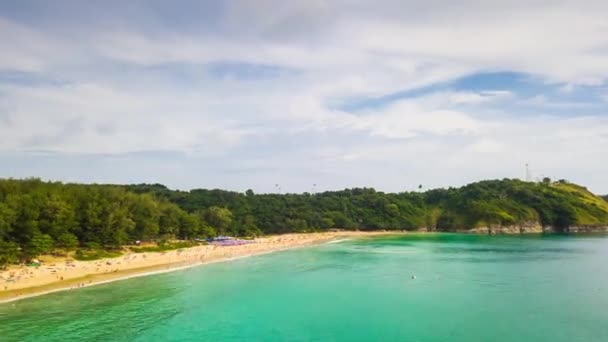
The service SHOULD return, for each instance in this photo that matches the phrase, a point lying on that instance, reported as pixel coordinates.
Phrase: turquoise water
(467, 288)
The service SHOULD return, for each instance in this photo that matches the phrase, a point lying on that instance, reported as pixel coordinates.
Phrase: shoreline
(80, 274)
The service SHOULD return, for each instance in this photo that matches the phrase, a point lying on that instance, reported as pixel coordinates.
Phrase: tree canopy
(493, 202)
(37, 217)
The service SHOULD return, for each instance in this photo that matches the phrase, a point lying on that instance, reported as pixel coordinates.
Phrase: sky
(295, 96)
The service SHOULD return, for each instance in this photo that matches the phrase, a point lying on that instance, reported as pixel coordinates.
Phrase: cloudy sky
(250, 94)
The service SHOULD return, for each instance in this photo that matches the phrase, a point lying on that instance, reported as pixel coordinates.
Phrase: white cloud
(24, 49)
(408, 119)
(487, 146)
(567, 88)
(134, 86)
(89, 118)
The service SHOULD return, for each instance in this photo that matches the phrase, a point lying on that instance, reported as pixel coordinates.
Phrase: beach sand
(20, 282)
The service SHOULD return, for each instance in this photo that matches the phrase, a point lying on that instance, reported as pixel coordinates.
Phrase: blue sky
(249, 94)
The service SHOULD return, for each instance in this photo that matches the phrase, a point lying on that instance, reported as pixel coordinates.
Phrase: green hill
(37, 217)
(506, 202)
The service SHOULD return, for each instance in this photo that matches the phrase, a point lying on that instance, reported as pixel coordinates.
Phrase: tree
(565, 216)
(169, 220)
(66, 241)
(297, 225)
(56, 216)
(340, 220)
(92, 221)
(327, 223)
(189, 226)
(39, 244)
(219, 218)
(7, 221)
(26, 216)
(248, 227)
(392, 209)
(9, 253)
(118, 227)
(146, 214)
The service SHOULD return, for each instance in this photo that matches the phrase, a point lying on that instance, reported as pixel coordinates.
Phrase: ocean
(417, 287)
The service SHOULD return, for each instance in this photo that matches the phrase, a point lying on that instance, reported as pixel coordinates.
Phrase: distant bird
(413, 276)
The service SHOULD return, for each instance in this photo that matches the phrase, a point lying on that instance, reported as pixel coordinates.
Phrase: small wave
(339, 240)
(381, 251)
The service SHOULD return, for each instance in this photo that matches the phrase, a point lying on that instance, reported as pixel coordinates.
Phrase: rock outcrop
(587, 229)
(532, 228)
(523, 228)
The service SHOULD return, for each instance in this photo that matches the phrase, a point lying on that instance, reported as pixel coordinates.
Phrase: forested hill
(494, 202)
(37, 217)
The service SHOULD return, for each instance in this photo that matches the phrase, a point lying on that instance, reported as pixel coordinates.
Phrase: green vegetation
(495, 202)
(507, 202)
(39, 217)
(161, 247)
(95, 254)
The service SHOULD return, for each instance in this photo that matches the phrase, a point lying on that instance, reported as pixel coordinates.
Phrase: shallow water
(467, 288)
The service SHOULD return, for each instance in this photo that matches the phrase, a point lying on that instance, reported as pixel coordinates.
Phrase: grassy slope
(594, 210)
(507, 202)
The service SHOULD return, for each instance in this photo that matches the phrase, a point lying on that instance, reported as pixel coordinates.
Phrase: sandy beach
(18, 282)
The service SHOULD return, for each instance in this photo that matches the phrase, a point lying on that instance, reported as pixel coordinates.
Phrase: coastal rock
(532, 228)
(523, 228)
(549, 229)
(587, 229)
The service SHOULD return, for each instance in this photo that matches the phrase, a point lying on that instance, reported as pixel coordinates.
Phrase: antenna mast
(528, 173)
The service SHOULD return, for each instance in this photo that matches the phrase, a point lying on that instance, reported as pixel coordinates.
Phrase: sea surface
(431, 287)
